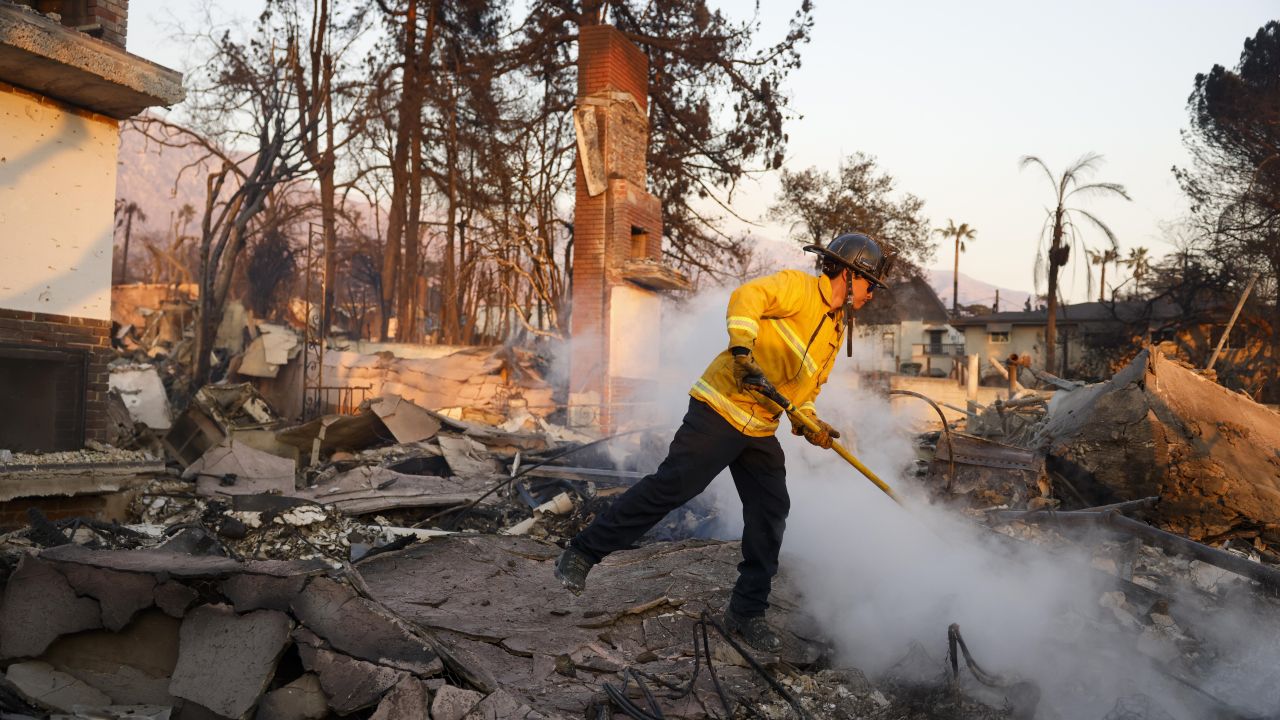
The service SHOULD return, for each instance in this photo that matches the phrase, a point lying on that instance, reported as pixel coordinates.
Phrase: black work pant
(705, 445)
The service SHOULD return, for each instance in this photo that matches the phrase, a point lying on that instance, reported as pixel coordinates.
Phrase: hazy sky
(949, 95)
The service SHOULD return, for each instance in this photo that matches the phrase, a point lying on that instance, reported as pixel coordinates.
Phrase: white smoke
(878, 577)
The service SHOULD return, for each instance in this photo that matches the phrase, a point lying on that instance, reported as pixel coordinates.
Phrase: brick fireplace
(53, 381)
(618, 275)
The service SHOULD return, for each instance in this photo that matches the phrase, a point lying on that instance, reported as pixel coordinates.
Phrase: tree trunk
(955, 282)
(1051, 324)
(1102, 289)
(328, 212)
(450, 323)
(399, 176)
(124, 256)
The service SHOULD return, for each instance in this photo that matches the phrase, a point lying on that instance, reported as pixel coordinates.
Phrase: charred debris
(392, 559)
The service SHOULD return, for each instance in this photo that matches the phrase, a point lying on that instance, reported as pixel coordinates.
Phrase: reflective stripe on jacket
(786, 321)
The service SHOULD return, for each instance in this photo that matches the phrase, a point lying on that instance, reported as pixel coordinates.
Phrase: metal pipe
(1126, 507)
(946, 429)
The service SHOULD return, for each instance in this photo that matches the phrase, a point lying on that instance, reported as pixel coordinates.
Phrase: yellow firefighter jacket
(786, 321)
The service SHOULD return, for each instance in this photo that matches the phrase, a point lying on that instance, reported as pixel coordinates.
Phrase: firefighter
(787, 328)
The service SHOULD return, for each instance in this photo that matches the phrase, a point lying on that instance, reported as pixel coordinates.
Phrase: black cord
(954, 639)
(618, 696)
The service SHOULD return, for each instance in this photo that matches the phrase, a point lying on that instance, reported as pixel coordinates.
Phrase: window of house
(998, 338)
(889, 342)
(639, 243)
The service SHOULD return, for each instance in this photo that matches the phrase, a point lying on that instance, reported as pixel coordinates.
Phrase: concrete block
(40, 605)
(406, 701)
(225, 660)
(453, 703)
(350, 684)
(262, 592)
(132, 667)
(499, 705)
(302, 699)
(174, 598)
(121, 595)
(41, 684)
(354, 626)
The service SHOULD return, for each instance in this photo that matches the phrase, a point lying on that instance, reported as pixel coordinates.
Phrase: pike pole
(766, 388)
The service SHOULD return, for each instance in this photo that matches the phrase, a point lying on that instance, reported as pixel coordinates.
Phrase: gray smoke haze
(879, 577)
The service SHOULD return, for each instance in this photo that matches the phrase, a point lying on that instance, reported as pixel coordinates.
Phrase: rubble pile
(396, 561)
(205, 636)
(1158, 428)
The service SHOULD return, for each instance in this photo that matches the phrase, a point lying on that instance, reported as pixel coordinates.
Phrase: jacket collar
(824, 290)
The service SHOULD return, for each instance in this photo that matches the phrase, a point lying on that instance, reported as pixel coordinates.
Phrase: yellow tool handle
(842, 452)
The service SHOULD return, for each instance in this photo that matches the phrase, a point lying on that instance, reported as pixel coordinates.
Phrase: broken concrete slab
(66, 479)
(262, 592)
(408, 699)
(173, 598)
(119, 594)
(350, 684)
(132, 667)
(354, 626)
(302, 699)
(179, 565)
(40, 605)
(453, 703)
(41, 684)
(226, 660)
(484, 599)
(234, 468)
(501, 705)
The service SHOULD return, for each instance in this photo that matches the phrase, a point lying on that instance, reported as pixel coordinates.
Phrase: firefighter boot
(571, 569)
(754, 630)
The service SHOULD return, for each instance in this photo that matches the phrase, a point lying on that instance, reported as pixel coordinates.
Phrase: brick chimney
(617, 241)
(105, 19)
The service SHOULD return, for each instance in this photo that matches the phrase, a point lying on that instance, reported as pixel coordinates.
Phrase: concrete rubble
(395, 562)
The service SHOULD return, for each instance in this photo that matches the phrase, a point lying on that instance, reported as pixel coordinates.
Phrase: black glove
(745, 369)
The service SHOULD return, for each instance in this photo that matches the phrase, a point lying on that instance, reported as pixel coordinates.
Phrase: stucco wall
(57, 188)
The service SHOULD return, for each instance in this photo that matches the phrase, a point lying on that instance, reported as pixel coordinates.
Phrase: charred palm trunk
(1058, 253)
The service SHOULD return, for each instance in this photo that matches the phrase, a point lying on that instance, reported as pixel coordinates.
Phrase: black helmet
(868, 258)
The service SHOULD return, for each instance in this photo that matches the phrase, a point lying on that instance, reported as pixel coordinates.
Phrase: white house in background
(911, 332)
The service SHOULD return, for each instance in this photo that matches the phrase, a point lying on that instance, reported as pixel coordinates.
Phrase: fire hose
(761, 385)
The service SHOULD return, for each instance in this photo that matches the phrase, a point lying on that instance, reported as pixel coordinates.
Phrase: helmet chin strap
(848, 312)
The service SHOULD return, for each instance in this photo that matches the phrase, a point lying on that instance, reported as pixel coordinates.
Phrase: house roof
(910, 299)
(1126, 311)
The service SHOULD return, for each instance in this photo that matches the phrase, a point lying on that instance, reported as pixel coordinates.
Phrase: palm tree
(1139, 263)
(125, 211)
(1061, 227)
(1104, 258)
(961, 233)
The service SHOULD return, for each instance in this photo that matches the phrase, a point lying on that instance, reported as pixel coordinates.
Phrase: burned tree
(316, 42)
(860, 197)
(247, 104)
(1233, 180)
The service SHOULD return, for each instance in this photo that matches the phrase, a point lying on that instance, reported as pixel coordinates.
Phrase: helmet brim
(827, 254)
